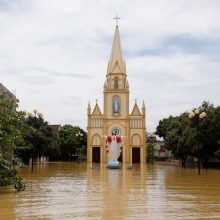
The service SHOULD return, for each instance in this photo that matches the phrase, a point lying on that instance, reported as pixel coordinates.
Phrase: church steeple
(116, 63)
(116, 117)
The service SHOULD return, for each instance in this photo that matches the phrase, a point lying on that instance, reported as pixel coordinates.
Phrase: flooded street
(80, 191)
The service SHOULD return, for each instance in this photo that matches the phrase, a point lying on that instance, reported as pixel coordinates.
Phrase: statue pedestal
(113, 164)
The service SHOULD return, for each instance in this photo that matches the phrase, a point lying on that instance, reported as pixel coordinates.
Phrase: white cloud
(55, 53)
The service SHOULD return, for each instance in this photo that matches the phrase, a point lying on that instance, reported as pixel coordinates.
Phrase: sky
(54, 54)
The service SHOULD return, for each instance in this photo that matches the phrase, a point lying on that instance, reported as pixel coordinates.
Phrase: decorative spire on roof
(89, 109)
(143, 108)
(143, 105)
(116, 63)
(127, 84)
(105, 84)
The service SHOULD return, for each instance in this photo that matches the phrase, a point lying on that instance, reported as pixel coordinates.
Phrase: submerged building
(8, 94)
(116, 119)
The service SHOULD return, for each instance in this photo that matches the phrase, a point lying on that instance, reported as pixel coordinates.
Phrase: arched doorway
(96, 148)
(136, 155)
(136, 150)
(96, 154)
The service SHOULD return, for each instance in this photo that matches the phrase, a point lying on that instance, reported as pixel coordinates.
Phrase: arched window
(116, 83)
(136, 140)
(96, 140)
(116, 104)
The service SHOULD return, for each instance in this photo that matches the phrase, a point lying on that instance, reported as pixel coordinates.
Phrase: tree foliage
(12, 128)
(180, 135)
(150, 152)
(39, 139)
(73, 140)
(8, 174)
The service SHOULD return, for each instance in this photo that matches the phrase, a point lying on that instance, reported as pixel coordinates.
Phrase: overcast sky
(54, 53)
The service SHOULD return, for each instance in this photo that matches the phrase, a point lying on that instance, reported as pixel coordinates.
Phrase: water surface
(85, 191)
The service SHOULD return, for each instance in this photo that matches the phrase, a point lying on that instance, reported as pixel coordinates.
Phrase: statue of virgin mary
(116, 105)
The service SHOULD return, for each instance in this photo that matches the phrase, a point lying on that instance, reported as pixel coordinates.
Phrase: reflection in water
(86, 191)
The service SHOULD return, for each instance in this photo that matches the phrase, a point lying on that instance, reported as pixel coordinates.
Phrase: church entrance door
(136, 155)
(96, 154)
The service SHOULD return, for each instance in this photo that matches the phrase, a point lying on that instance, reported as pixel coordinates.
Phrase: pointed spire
(89, 106)
(105, 84)
(127, 84)
(89, 109)
(143, 108)
(143, 105)
(116, 63)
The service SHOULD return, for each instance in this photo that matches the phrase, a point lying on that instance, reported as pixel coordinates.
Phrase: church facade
(116, 118)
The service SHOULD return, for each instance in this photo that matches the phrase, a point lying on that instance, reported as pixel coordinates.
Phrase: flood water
(82, 191)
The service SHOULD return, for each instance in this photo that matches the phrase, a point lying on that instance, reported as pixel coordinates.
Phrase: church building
(116, 119)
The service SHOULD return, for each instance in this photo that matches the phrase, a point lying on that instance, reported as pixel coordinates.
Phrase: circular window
(115, 131)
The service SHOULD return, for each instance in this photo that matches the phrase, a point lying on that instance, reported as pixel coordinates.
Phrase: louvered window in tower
(116, 83)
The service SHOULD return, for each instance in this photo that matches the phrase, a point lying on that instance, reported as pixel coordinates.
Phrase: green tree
(179, 137)
(8, 174)
(209, 132)
(162, 127)
(39, 138)
(11, 126)
(150, 152)
(72, 140)
(11, 136)
(180, 134)
(53, 149)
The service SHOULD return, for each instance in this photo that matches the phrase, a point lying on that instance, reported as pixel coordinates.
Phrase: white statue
(116, 105)
(114, 149)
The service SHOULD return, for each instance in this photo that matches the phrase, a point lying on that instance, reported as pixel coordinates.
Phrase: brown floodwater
(82, 191)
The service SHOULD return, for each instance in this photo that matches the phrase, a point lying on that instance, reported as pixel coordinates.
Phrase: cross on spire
(116, 18)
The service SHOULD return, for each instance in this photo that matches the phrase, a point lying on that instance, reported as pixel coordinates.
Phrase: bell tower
(116, 89)
(116, 119)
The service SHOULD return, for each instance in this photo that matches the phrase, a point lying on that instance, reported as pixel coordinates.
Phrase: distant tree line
(29, 136)
(181, 137)
(68, 144)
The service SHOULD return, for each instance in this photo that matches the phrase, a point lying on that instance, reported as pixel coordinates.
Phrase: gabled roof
(96, 110)
(136, 110)
(116, 63)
